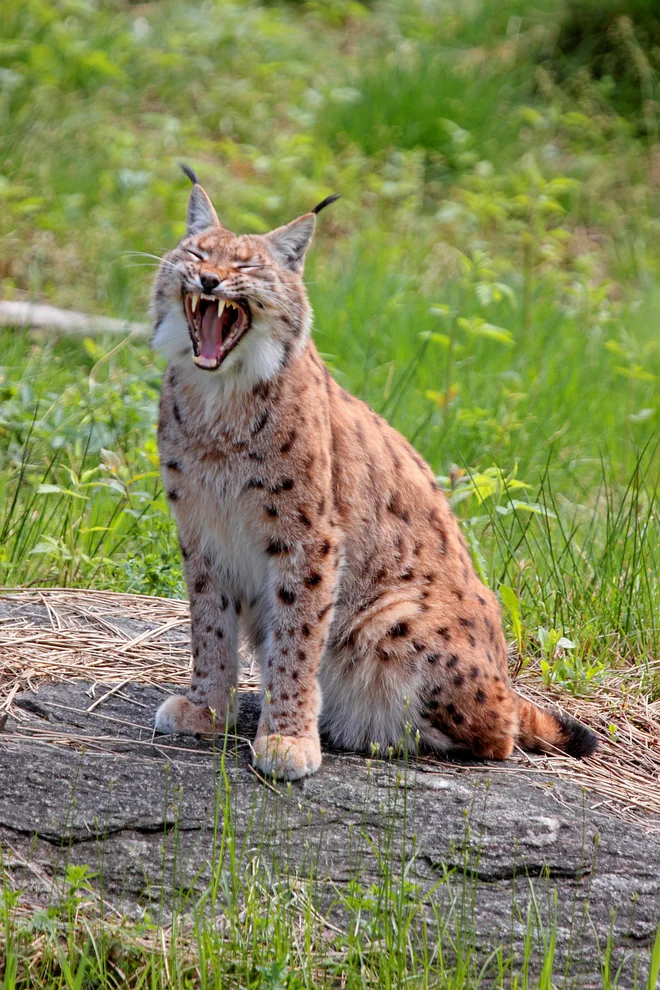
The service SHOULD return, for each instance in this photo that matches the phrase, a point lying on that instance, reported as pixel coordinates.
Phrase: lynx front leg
(287, 743)
(209, 704)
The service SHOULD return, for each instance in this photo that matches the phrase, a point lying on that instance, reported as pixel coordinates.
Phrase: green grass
(460, 114)
(489, 282)
(252, 912)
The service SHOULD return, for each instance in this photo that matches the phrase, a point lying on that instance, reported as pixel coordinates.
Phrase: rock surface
(140, 810)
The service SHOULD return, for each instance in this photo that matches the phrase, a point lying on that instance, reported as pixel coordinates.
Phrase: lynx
(306, 519)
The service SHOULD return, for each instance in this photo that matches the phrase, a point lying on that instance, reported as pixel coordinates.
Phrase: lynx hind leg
(474, 716)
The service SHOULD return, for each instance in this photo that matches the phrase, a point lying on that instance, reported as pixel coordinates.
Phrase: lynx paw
(178, 714)
(288, 757)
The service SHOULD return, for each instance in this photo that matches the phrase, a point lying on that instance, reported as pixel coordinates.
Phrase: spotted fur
(305, 517)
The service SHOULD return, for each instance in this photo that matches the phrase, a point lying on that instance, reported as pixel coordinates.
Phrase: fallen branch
(36, 316)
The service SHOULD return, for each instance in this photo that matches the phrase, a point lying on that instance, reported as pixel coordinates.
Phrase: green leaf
(545, 983)
(498, 334)
(478, 327)
(477, 555)
(441, 309)
(636, 373)
(539, 510)
(49, 489)
(56, 490)
(654, 969)
(52, 547)
(511, 602)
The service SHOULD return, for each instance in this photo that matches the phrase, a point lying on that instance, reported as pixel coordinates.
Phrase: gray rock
(100, 789)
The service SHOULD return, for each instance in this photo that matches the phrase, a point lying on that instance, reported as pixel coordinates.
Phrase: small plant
(511, 603)
(654, 968)
(561, 666)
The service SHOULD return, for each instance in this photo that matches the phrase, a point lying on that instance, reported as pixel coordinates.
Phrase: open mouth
(215, 327)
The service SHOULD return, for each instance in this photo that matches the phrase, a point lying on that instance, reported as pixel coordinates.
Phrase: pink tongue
(210, 333)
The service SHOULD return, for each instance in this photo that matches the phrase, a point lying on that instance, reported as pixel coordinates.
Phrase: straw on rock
(115, 639)
(60, 634)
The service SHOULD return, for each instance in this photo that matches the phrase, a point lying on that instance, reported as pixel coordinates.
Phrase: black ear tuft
(326, 202)
(190, 172)
(579, 741)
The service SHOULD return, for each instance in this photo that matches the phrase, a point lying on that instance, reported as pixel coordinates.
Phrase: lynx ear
(200, 208)
(289, 244)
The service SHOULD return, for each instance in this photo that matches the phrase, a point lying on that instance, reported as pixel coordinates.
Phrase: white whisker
(141, 264)
(272, 297)
(145, 254)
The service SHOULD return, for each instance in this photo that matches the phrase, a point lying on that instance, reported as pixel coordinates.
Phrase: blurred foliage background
(488, 280)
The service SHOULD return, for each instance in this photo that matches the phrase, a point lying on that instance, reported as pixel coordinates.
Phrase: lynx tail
(554, 732)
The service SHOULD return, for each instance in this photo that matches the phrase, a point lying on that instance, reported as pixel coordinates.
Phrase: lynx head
(233, 304)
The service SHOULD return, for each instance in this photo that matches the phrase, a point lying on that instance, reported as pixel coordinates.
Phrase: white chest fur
(215, 516)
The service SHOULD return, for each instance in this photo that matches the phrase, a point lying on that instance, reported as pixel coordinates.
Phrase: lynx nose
(209, 280)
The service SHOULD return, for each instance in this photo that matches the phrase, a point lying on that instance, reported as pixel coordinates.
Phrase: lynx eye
(196, 254)
(248, 267)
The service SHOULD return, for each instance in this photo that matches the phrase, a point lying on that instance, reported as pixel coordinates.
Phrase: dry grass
(59, 635)
(113, 639)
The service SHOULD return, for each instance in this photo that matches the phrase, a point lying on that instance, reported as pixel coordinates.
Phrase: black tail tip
(579, 740)
(190, 172)
(326, 202)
